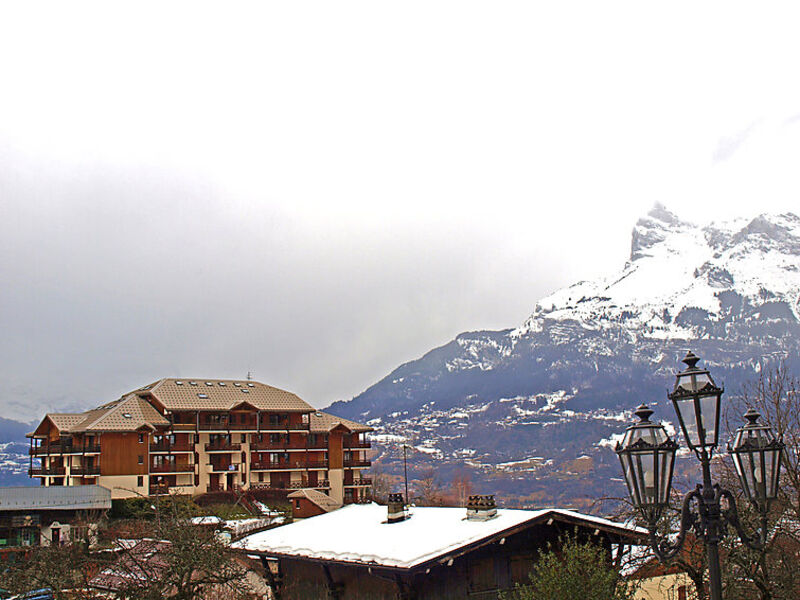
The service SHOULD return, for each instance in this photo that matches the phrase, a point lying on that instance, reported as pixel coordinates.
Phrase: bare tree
(770, 574)
(184, 562)
(429, 489)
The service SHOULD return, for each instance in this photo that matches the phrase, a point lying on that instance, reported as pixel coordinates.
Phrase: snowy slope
(531, 409)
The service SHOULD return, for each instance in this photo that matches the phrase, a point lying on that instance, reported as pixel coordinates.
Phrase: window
(275, 438)
(297, 503)
(141, 459)
(140, 481)
(244, 438)
(141, 438)
(481, 575)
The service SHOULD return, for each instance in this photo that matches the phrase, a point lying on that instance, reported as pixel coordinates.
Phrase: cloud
(728, 146)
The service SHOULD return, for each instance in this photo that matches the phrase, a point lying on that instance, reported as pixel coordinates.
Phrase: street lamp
(647, 456)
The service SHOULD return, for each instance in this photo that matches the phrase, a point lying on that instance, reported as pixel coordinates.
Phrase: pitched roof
(137, 409)
(55, 497)
(324, 501)
(224, 394)
(64, 421)
(431, 533)
(129, 413)
(324, 422)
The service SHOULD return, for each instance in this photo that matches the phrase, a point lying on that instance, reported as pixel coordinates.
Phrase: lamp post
(647, 455)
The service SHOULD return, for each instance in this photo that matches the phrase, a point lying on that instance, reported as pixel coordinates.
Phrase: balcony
(281, 446)
(172, 468)
(64, 449)
(47, 471)
(290, 485)
(363, 481)
(183, 426)
(224, 468)
(285, 426)
(279, 466)
(223, 447)
(179, 447)
(357, 463)
(357, 445)
(84, 471)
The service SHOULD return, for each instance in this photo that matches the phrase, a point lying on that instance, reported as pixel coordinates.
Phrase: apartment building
(197, 436)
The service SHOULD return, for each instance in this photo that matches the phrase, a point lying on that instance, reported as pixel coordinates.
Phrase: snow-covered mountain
(527, 407)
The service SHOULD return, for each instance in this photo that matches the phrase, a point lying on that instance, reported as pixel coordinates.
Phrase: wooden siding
(120, 455)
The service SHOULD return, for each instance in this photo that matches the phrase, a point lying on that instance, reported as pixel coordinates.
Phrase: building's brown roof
(136, 409)
(324, 501)
(129, 413)
(324, 422)
(64, 422)
(224, 394)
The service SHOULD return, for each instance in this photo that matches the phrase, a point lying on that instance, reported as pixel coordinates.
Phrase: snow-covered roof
(359, 533)
(208, 520)
(55, 497)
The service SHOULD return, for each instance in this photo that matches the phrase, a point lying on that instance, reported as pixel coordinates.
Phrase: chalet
(310, 503)
(368, 551)
(34, 516)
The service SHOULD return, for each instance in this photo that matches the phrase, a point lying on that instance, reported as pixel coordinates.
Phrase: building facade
(198, 436)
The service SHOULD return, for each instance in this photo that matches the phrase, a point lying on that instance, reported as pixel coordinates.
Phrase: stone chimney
(396, 508)
(481, 508)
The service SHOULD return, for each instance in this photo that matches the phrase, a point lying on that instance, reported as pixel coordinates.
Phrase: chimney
(481, 508)
(396, 508)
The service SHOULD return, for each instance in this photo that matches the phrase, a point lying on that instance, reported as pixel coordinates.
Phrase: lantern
(697, 402)
(647, 455)
(757, 457)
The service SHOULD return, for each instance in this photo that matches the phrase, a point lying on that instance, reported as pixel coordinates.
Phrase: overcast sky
(317, 192)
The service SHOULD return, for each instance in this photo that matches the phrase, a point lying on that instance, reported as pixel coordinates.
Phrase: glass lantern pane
(689, 420)
(740, 471)
(701, 380)
(648, 479)
(666, 476)
(708, 412)
(772, 469)
(753, 474)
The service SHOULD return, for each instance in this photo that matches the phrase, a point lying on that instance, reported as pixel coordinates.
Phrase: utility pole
(405, 470)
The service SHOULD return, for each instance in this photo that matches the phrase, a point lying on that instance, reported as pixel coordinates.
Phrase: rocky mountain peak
(653, 229)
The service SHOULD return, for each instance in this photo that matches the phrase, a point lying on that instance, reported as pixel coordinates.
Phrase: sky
(318, 192)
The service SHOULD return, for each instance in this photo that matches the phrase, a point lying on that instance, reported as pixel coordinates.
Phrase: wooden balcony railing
(363, 481)
(64, 449)
(285, 426)
(224, 467)
(293, 464)
(172, 468)
(223, 447)
(39, 471)
(280, 446)
(178, 447)
(80, 471)
(357, 463)
(357, 445)
(290, 485)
